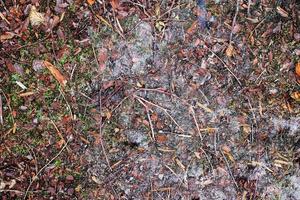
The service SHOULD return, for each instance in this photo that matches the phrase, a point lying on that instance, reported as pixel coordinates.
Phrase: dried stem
(41, 170)
(229, 170)
(234, 20)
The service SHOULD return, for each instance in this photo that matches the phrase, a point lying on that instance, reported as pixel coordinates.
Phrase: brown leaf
(193, 27)
(296, 96)
(297, 70)
(282, 12)
(6, 36)
(115, 4)
(96, 137)
(26, 94)
(57, 75)
(14, 68)
(154, 117)
(161, 138)
(90, 2)
(229, 51)
(226, 149)
(102, 55)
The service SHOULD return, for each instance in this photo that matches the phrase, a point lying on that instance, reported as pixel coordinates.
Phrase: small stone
(23, 108)
(160, 176)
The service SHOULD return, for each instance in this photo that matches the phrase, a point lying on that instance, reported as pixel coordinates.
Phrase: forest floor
(170, 99)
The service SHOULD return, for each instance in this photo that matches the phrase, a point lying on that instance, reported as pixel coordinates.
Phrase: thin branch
(100, 120)
(1, 113)
(225, 65)
(229, 170)
(234, 20)
(9, 107)
(41, 170)
(163, 109)
(149, 118)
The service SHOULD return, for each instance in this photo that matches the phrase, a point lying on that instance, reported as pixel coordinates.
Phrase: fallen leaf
(36, 18)
(204, 107)
(6, 36)
(3, 18)
(297, 70)
(226, 149)
(90, 2)
(179, 163)
(96, 137)
(14, 68)
(115, 4)
(26, 94)
(296, 96)
(57, 75)
(102, 55)
(193, 28)
(229, 51)
(160, 25)
(161, 138)
(282, 12)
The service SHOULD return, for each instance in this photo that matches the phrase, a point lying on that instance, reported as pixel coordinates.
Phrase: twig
(58, 132)
(3, 4)
(192, 111)
(162, 108)
(9, 107)
(234, 20)
(209, 162)
(248, 9)
(100, 120)
(254, 119)
(149, 119)
(15, 191)
(68, 105)
(1, 113)
(225, 65)
(72, 72)
(229, 170)
(40, 171)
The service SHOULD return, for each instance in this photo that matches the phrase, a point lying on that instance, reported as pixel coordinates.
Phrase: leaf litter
(168, 100)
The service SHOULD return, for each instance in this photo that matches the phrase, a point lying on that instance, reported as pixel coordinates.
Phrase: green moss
(58, 163)
(20, 150)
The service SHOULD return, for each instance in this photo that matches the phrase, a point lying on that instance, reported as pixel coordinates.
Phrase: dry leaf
(115, 4)
(226, 149)
(193, 27)
(161, 138)
(90, 2)
(179, 163)
(36, 18)
(229, 51)
(297, 70)
(282, 12)
(6, 36)
(26, 94)
(57, 75)
(296, 96)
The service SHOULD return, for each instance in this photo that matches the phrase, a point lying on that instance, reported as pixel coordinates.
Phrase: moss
(20, 150)
(58, 163)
